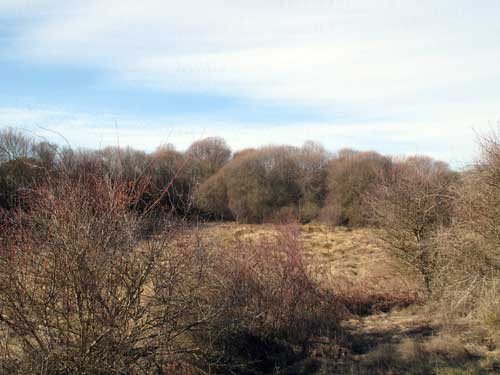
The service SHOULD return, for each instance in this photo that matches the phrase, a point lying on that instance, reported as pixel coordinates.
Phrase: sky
(399, 77)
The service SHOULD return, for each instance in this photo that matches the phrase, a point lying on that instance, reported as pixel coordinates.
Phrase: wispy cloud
(91, 130)
(427, 71)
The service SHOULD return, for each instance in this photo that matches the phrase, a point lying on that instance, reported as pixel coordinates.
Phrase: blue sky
(400, 77)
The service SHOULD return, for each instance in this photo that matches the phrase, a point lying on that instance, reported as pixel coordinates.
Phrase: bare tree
(14, 145)
(211, 154)
(275, 303)
(124, 161)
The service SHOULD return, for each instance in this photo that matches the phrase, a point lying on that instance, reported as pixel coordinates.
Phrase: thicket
(170, 177)
(468, 249)
(349, 176)
(275, 183)
(83, 292)
(268, 184)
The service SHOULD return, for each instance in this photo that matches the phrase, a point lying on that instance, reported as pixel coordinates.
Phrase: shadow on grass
(402, 351)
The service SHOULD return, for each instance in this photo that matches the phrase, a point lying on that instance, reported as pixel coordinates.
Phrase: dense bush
(268, 184)
(171, 181)
(80, 293)
(350, 175)
(261, 182)
(46, 154)
(23, 162)
(173, 176)
(212, 197)
(16, 178)
(313, 160)
(126, 163)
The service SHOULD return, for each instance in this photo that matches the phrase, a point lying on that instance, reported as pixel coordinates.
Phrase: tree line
(208, 180)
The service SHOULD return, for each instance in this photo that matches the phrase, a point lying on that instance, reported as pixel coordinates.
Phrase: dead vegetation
(82, 292)
(353, 263)
(388, 325)
(365, 264)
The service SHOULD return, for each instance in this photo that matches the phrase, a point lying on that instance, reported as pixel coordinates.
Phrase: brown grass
(389, 330)
(353, 263)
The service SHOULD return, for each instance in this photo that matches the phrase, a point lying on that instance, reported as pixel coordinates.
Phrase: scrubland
(277, 260)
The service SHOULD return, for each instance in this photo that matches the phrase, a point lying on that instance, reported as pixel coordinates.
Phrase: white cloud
(287, 50)
(415, 64)
(91, 130)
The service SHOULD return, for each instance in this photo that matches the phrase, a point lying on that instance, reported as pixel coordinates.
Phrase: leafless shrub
(330, 214)
(284, 215)
(273, 302)
(80, 294)
(469, 248)
(410, 202)
(367, 297)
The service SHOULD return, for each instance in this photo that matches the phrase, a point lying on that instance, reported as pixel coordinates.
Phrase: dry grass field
(388, 329)
(353, 262)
